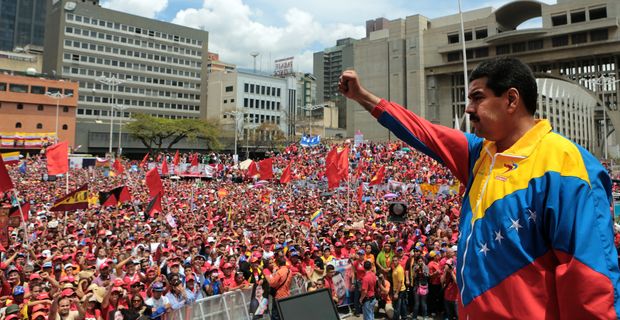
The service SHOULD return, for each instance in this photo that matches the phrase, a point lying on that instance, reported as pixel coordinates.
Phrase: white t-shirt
(157, 303)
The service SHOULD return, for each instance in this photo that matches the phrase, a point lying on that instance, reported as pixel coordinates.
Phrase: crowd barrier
(233, 305)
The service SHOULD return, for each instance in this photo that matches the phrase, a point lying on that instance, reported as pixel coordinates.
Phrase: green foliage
(154, 132)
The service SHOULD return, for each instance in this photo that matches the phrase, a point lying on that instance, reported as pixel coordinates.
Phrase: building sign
(284, 66)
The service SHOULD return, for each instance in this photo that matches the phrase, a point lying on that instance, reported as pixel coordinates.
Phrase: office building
(161, 68)
(22, 22)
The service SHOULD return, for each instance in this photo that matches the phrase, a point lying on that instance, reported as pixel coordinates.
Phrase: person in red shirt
(340, 252)
(328, 281)
(451, 291)
(367, 298)
(358, 267)
(435, 299)
(294, 263)
(229, 276)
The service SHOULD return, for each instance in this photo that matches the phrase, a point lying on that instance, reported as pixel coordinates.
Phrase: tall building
(22, 22)
(31, 119)
(161, 67)
(328, 65)
(418, 62)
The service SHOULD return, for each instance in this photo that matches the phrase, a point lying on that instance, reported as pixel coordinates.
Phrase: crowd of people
(231, 232)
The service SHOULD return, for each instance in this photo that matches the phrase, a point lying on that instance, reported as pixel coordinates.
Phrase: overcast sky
(284, 28)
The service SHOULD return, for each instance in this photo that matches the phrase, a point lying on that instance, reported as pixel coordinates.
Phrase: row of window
(132, 29)
(137, 54)
(40, 107)
(24, 88)
(121, 64)
(259, 89)
(257, 118)
(538, 44)
(579, 15)
(18, 125)
(469, 35)
(262, 104)
(104, 113)
(140, 103)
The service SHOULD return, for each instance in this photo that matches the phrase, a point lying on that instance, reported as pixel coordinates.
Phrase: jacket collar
(524, 147)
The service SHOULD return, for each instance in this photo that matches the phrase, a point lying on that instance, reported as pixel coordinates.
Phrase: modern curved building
(573, 46)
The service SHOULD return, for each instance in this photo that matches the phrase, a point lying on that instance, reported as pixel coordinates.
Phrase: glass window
(39, 126)
(453, 38)
(598, 13)
(2, 86)
(559, 20)
(20, 106)
(599, 35)
(581, 37)
(40, 107)
(559, 41)
(229, 88)
(502, 49)
(19, 88)
(37, 90)
(577, 16)
(481, 33)
(468, 36)
(18, 125)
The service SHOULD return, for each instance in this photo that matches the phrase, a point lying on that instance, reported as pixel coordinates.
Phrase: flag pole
(25, 225)
(66, 192)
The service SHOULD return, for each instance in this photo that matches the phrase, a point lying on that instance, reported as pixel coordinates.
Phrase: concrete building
(20, 62)
(258, 101)
(417, 62)
(30, 118)
(22, 22)
(328, 65)
(162, 68)
(215, 64)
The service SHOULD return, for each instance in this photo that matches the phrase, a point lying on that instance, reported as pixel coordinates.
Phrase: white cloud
(145, 8)
(234, 33)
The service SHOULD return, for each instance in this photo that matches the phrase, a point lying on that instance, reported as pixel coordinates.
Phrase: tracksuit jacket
(536, 234)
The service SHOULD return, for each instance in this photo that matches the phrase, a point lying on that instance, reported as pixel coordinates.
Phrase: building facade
(32, 119)
(328, 65)
(418, 62)
(160, 68)
(22, 22)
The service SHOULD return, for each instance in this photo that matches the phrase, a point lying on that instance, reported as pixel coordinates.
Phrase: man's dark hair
(367, 265)
(505, 73)
(280, 261)
(330, 267)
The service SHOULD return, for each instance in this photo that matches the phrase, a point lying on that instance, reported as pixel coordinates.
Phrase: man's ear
(513, 96)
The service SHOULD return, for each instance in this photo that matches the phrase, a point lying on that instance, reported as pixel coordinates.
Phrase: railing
(233, 305)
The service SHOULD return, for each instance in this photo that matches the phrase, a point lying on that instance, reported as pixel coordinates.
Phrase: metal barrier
(233, 305)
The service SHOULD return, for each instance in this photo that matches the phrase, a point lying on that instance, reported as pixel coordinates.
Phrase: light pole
(112, 82)
(311, 108)
(121, 109)
(57, 96)
(465, 82)
(235, 114)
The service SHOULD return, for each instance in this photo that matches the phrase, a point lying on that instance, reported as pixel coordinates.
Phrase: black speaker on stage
(398, 212)
(308, 306)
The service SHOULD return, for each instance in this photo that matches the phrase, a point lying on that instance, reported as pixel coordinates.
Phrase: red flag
(164, 167)
(75, 200)
(252, 169)
(58, 158)
(343, 163)
(379, 176)
(6, 183)
(331, 156)
(265, 168)
(154, 205)
(143, 162)
(286, 175)
(195, 160)
(360, 192)
(14, 211)
(175, 161)
(118, 167)
(333, 178)
(153, 182)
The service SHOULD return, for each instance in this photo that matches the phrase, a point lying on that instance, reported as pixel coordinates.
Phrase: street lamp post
(57, 96)
(112, 82)
(235, 114)
(311, 108)
(121, 109)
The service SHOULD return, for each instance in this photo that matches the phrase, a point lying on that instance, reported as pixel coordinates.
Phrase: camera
(397, 212)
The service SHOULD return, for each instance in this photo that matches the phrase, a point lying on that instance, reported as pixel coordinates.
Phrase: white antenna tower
(254, 55)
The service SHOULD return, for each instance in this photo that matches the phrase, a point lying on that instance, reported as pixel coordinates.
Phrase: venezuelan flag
(11, 157)
(315, 216)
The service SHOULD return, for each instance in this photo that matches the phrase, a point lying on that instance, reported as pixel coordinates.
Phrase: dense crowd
(233, 232)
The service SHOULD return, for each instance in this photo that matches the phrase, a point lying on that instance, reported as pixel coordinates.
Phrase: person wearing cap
(399, 288)
(228, 278)
(368, 292)
(193, 287)
(212, 285)
(294, 263)
(451, 291)
(435, 295)
(340, 252)
(358, 274)
(178, 296)
(157, 299)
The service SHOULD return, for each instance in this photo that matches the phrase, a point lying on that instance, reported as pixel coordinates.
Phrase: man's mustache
(473, 118)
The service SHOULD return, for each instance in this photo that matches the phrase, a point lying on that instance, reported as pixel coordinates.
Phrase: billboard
(283, 66)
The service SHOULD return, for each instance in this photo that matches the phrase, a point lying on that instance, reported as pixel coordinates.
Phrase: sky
(285, 28)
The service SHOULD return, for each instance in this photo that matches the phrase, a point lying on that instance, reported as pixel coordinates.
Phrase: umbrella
(390, 196)
(245, 164)
(406, 149)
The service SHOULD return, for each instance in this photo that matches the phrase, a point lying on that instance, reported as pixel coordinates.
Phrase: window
(535, 45)
(65, 109)
(39, 126)
(482, 52)
(518, 47)
(262, 89)
(581, 37)
(453, 38)
(40, 107)
(481, 33)
(577, 16)
(37, 90)
(559, 41)
(19, 88)
(598, 13)
(251, 88)
(502, 49)
(454, 56)
(278, 94)
(229, 88)
(468, 36)
(54, 90)
(65, 127)
(559, 20)
(2, 86)
(18, 125)
(599, 35)
(20, 106)
(245, 102)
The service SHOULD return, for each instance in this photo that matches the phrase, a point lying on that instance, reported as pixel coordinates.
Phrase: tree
(154, 132)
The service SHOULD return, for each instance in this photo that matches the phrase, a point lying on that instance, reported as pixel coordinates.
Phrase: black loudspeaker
(308, 306)
(46, 177)
(398, 212)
